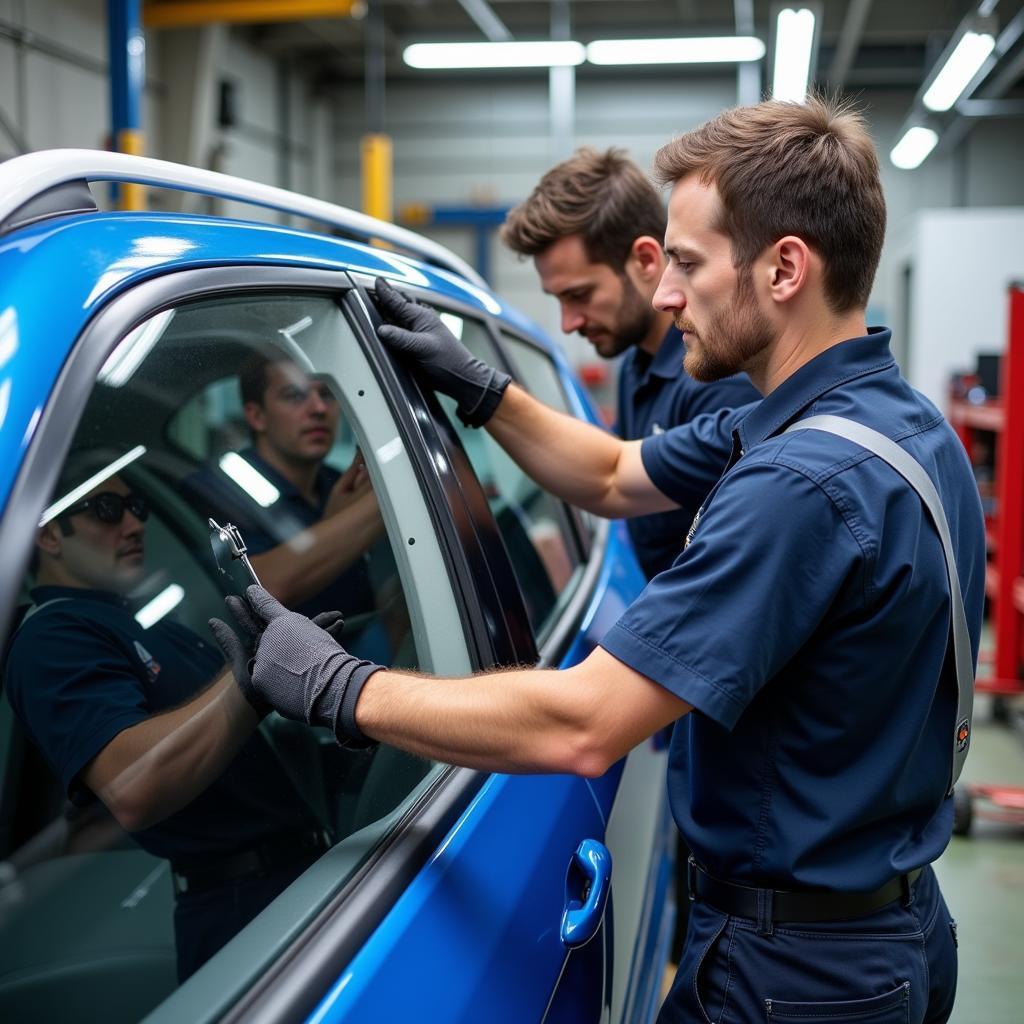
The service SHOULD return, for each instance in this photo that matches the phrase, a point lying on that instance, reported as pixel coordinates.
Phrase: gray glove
(445, 363)
(240, 652)
(301, 670)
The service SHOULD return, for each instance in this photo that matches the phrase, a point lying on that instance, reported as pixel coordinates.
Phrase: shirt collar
(856, 357)
(668, 360)
(666, 363)
(51, 592)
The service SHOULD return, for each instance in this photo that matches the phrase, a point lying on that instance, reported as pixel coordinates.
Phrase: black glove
(240, 652)
(445, 363)
(301, 670)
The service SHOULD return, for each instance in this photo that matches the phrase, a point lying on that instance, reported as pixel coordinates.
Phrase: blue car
(431, 893)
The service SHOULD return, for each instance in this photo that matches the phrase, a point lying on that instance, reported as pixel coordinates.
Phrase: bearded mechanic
(799, 642)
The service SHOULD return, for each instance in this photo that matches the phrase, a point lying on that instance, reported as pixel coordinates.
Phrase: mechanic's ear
(48, 539)
(255, 416)
(646, 258)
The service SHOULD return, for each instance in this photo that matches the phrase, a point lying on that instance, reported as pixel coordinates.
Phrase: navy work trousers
(897, 964)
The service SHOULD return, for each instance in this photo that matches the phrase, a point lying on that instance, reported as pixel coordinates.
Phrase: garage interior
(320, 97)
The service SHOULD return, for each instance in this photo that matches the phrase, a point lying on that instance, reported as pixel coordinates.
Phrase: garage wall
(486, 139)
(962, 263)
(56, 93)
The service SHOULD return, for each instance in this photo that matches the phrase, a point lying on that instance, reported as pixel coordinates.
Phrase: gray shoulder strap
(913, 472)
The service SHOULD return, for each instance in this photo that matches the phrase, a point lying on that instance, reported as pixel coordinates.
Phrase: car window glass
(541, 379)
(259, 411)
(533, 524)
(540, 375)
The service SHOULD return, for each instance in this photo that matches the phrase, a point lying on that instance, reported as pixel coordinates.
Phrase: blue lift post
(127, 80)
(481, 219)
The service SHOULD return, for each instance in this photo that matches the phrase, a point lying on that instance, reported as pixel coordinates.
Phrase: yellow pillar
(377, 191)
(132, 196)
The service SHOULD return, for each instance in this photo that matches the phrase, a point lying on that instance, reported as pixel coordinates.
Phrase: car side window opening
(533, 524)
(259, 410)
(541, 378)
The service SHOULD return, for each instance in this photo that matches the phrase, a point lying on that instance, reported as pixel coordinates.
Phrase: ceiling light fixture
(911, 150)
(494, 55)
(694, 50)
(166, 601)
(794, 44)
(72, 497)
(960, 68)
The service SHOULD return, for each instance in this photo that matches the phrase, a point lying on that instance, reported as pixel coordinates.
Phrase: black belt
(251, 863)
(806, 906)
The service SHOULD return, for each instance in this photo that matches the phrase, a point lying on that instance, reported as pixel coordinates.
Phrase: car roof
(56, 273)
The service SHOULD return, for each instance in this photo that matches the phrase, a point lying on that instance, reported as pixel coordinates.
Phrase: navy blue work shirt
(654, 394)
(80, 670)
(807, 623)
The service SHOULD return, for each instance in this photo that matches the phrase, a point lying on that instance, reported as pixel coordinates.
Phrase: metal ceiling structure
(863, 44)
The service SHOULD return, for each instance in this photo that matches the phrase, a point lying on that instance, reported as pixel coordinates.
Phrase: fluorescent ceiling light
(494, 55)
(250, 479)
(166, 601)
(73, 497)
(709, 50)
(128, 356)
(961, 66)
(911, 150)
(794, 39)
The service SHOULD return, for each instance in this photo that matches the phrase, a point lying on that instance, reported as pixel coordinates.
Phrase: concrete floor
(982, 877)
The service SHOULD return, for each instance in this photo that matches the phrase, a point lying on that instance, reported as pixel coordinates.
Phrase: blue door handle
(582, 917)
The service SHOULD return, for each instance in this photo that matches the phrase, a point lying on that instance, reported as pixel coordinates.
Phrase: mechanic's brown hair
(603, 197)
(252, 378)
(805, 169)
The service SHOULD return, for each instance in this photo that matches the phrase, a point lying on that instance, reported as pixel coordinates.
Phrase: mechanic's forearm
(580, 463)
(302, 566)
(157, 767)
(508, 721)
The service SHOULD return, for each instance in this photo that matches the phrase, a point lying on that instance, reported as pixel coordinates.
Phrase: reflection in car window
(135, 819)
(533, 524)
(540, 378)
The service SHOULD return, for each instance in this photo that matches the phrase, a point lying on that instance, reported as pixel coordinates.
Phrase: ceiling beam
(849, 41)
(486, 20)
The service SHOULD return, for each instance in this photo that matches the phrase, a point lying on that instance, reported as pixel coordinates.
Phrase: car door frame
(364, 899)
(330, 938)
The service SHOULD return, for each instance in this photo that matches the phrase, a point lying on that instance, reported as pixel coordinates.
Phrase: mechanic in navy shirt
(801, 639)
(309, 545)
(312, 545)
(151, 723)
(594, 226)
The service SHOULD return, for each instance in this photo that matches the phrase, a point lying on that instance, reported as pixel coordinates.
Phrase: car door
(633, 796)
(576, 576)
(441, 887)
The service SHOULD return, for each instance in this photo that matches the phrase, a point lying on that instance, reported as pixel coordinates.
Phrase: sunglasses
(109, 506)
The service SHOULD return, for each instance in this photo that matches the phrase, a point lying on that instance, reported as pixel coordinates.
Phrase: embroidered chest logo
(693, 527)
(151, 664)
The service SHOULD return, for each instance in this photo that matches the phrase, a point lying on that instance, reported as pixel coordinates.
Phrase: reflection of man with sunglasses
(149, 721)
